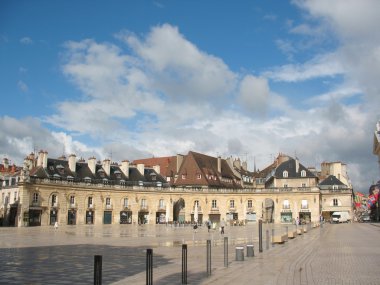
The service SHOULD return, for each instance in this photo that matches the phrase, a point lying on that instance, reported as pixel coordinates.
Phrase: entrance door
(107, 217)
(71, 217)
(89, 217)
(305, 217)
(34, 218)
(143, 217)
(53, 217)
(12, 216)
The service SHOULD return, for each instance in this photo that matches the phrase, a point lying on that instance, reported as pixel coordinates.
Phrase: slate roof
(330, 181)
(290, 167)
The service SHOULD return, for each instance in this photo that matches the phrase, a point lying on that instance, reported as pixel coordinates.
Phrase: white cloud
(22, 86)
(254, 93)
(327, 65)
(26, 41)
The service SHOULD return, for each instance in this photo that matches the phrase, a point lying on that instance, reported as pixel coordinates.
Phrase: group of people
(209, 225)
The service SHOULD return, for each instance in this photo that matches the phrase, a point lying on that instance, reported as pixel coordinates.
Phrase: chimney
(45, 159)
(40, 158)
(140, 168)
(297, 165)
(237, 163)
(125, 167)
(244, 165)
(179, 161)
(107, 166)
(92, 164)
(72, 163)
(219, 164)
(157, 168)
(6, 163)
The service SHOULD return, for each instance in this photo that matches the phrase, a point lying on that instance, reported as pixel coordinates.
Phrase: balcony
(109, 207)
(91, 206)
(144, 208)
(73, 206)
(55, 205)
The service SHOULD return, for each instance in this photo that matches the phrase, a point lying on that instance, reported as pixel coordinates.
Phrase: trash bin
(239, 250)
(250, 250)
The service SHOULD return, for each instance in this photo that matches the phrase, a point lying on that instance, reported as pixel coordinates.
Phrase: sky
(248, 79)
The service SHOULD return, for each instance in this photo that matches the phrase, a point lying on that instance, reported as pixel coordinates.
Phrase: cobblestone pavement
(334, 254)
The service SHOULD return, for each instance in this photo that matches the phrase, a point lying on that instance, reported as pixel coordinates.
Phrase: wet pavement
(334, 254)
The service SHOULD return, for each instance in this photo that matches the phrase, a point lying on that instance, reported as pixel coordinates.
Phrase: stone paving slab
(334, 254)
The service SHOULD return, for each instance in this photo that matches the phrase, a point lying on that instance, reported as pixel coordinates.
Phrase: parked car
(366, 218)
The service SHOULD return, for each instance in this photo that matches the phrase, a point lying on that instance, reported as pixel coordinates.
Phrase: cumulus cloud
(254, 93)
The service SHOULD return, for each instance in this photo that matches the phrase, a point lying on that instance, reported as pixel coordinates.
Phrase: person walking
(222, 225)
(56, 225)
(208, 225)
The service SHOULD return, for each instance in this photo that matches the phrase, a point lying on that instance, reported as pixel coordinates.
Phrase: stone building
(181, 188)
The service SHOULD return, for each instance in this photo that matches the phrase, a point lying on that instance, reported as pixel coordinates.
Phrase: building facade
(192, 187)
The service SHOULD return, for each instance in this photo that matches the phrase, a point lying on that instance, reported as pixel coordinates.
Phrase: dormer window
(105, 181)
(153, 176)
(199, 176)
(285, 174)
(61, 169)
(117, 174)
(183, 176)
(101, 173)
(87, 179)
(303, 173)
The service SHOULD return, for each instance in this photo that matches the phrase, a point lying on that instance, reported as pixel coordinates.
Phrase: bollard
(239, 253)
(184, 264)
(208, 257)
(267, 241)
(250, 250)
(260, 236)
(149, 266)
(97, 270)
(225, 251)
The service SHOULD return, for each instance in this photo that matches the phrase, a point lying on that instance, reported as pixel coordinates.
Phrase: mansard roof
(291, 167)
(331, 180)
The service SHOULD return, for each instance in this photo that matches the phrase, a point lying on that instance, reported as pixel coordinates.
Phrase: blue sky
(141, 78)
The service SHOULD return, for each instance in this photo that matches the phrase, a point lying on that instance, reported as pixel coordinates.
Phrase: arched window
(285, 174)
(303, 173)
(285, 204)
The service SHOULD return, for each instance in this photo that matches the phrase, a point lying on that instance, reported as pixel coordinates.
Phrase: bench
(292, 234)
(279, 238)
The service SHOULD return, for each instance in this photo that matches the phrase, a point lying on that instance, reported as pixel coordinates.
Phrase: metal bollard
(260, 236)
(239, 253)
(184, 264)
(267, 239)
(225, 251)
(208, 257)
(97, 270)
(149, 266)
(250, 250)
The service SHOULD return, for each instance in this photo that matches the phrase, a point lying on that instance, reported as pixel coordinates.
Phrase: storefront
(160, 217)
(53, 216)
(72, 217)
(305, 217)
(251, 217)
(200, 218)
(143, 217)
(232, 218)
(214, 218)
(286, 217)
(126, 217)
(90, 217)
(35, 217)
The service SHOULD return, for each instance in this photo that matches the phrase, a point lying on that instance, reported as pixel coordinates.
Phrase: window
(15, 196)
(161, 204)
(285, 185)
(143, 203)
(213, 204)
(303, 173)
(54, 200)
(303, 185)
(108, 201)
(199, 176)
(125, 202)
(72, 200)
(304, 204)
(196, 203)
(285, 174)
(183, 176)
(249, 203)
(335, 202)
(35, 197)
(89, 202)
(232, 204)
(286, 204)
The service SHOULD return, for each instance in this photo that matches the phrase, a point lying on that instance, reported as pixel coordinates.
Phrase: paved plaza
(334, 254)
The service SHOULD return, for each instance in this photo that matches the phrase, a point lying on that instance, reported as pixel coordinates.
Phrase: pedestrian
(297, 221)
(208, 225)
(222, 225)
(56, 225)
(195, 228)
